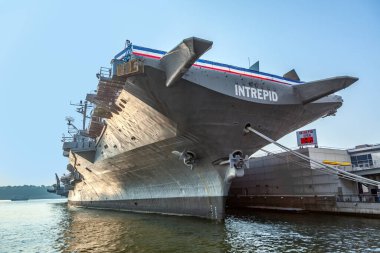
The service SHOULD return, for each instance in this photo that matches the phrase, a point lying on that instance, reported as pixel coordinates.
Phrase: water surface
(51, 226)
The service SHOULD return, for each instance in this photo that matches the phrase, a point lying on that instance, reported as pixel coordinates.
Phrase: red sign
(307, 137)
(307, 140)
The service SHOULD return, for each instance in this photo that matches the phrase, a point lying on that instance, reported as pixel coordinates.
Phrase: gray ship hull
(141, 158)
(135, 169)
(182, 206)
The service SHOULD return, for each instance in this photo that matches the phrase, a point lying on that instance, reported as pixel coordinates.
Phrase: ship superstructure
(166, 133)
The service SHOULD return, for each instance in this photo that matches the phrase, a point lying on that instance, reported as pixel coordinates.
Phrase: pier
(283, 182)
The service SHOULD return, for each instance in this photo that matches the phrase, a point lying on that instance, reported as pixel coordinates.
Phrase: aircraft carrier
(167, 129)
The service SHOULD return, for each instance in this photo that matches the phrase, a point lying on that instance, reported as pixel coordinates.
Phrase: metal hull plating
(184, 206)
(168, 127)
(133, 167)
(217, 119)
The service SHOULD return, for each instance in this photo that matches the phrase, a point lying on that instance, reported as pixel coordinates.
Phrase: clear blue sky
(51, 50)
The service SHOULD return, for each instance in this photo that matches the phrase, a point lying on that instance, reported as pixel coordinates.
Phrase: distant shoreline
(30, 192)
(31, 200)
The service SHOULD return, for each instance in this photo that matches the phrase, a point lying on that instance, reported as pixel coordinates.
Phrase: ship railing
(278, 151)
(126, 53)
(79, 146)
(104, 72)
(362, 198)
(67, 139)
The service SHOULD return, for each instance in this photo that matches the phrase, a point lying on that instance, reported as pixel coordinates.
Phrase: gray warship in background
(167, 131)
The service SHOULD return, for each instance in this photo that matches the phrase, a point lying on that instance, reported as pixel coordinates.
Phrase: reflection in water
(285, 232)
(43, 226)
(109, 231)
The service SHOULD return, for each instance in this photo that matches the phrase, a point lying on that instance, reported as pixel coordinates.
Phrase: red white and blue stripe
(158, 54)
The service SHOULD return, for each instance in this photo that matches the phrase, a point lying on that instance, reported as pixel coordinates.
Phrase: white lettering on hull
(250, 92)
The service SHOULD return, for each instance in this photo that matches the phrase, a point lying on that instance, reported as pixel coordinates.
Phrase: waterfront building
(283, 181)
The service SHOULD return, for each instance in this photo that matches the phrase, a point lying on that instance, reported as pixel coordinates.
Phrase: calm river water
(50, 226)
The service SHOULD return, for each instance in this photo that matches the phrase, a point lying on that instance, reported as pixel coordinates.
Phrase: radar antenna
(82, 108)
(69, 120)
(71, 128)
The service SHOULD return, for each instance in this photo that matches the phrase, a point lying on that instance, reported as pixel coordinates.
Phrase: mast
(82, 108)
(84, 115)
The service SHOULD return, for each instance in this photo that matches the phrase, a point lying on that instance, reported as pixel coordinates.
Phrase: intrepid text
(250, 92)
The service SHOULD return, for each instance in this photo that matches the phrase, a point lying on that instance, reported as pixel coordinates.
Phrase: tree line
(26, 191)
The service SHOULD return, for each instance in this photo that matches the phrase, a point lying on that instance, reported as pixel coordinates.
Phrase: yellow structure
(336, 163)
